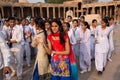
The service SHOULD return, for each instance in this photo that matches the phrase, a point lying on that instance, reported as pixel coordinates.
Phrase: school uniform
(5, 55)
(26, 43)
(74, 35)
(92, 42)
(111, 44)
(85, 57)
(102, 46)
(16, 34)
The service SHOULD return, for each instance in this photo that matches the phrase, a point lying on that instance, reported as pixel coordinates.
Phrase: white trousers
(19, 60)
(100, 61)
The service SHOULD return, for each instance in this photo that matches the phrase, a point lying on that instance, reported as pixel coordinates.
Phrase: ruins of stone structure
(46, 10)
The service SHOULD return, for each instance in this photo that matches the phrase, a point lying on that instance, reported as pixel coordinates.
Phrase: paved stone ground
(112, 71)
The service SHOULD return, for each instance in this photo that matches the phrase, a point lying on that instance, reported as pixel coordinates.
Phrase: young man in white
(5, 57)
(15, 38)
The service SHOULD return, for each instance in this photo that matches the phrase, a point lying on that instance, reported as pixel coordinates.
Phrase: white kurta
(102, 47)
(111, 44)
(17, 35)
(85, 58)
(5, 55)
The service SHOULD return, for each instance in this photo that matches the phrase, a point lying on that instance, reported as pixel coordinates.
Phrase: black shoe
(100, 72)
(93, 59)
(103, 68)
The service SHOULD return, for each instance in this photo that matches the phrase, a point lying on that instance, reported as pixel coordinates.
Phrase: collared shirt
(74, 35)
(17, 35)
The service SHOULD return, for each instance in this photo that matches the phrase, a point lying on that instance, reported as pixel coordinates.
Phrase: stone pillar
(106, 10)
(82, 11)
(87, 11)
(64, 12)
(93, 10)
(73, 11)
(77, 12)
(101, 11)
(12, 8)
(53, 12)
(59, 12)
(2, 11)
(32, 8)
(41, 11)
(115, 12)
(22, 11)
(110, 12)
(47, 12)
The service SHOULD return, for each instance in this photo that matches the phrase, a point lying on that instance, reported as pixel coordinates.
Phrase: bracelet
(53, 53)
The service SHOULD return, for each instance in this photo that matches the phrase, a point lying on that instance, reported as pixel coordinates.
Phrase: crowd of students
(60, 47)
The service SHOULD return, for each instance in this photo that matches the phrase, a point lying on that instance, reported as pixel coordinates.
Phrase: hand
(6, 70)
(96, 41)
(53, 52)
(41, 40)
(36, 39)
(13, 41)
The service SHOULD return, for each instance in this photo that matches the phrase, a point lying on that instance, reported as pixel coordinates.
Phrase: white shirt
(5, 27)
(17, 35)
(74, 35)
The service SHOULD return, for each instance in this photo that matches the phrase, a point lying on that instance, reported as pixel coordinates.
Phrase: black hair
(75, 20)
(22, 19)
(17, 19)
(86, 24)
(94, 20)
(69, 16)
(48, 21)
(11, 18)
(68, 24)
(82, 17)
(111, 18)
(40, 22)
(105, 20)
(61, 30)
(32, 18)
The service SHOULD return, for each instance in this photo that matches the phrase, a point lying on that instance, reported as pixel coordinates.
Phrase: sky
(34, 1)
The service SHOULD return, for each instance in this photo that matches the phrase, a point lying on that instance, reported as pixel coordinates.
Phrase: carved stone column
(32, 8)
(2, 11)
(22, 11)
(106, 10)
(59, 12)
(93, 10)
(12, 8)
(64, 12)
(53, 12)
(47, 12)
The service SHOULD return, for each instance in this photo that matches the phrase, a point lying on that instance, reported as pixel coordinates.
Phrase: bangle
(53, 52)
